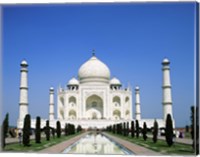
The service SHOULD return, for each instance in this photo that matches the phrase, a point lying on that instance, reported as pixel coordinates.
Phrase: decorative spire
(93, 52)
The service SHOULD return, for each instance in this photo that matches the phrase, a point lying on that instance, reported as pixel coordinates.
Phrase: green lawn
(161, 146)
(16, 147)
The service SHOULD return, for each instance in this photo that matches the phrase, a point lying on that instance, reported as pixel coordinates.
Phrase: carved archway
(94, 107)
(117, 114)
(116, 101)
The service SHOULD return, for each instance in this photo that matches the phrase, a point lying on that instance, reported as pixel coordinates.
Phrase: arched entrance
(94, 107)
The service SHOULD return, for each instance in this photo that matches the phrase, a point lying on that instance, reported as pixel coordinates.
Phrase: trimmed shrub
(169, 130)
(144, 131)
(26, 130)
(37, 131)
(47, 131)
(137, 129)
(5, 130)
(155, 131)
(58, 129)
(132, 129)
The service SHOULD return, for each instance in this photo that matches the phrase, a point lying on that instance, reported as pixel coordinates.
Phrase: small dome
(24, 63)
(73, 81)
(115, 81)
(51, 88)
(165, 61)
(137, 88)
(94, 70)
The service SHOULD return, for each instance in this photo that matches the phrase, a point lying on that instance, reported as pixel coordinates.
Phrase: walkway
(59, 148)
(138, 150)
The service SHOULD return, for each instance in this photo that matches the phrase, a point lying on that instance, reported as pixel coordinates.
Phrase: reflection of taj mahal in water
(94, 99)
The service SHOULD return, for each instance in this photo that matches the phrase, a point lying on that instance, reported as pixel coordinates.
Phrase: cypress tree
(192, 125)
(121, 129)
(5, 130)
(58, 129)
(66, 130)
(132, 129)
(195, 128)
(37, 131)
(186, 128)
(47, 131)
(127, 129)
(79, 128)
(144, 131)
(169, 130)
(137, 129)
(26, 130)
(155, 131)
(124, 129)
(53, 132)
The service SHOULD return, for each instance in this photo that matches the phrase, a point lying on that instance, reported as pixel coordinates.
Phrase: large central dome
(94, 71)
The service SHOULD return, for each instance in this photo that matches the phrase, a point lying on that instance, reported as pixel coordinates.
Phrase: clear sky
(132, 39)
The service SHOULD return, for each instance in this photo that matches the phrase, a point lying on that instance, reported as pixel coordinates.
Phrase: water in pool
(94, 143)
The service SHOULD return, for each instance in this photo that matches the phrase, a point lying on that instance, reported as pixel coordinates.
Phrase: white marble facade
(94, 95)
(95, 99)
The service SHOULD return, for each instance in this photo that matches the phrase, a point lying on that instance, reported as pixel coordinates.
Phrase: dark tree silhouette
(66, 129)
(58, 129)
(169, 130)
(5, 130)
(124, 129)
(37, 131)
(137, 129)
(144, 131)
(79, 128)
(155, 131)
(195, 128)
(47, 131)
(132, 129)
(127, 128)
(26, 130)
(186, 128)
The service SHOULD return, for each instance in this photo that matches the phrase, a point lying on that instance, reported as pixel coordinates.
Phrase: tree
(47, 131)
(169, 130)
(144, 131)
(58, 129)
(37, 131)
(26, 130)
(132, 129)
(195, 128)
(124, 129)
(53, 132)
(127, 129)
(79, 128)
(186, 128)
(137, 129)
(155, 131)
(66, 129)
(5, 130)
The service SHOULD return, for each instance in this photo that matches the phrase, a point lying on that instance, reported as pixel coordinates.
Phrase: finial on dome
(93, 52)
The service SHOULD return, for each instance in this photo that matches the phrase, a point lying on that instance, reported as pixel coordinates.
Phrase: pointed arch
(116, 101)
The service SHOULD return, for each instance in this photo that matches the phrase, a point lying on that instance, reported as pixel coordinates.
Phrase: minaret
(23, 98)
(51, 104)
(167, 97)
(137, 103)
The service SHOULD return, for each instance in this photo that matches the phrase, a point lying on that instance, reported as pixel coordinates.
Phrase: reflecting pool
(96, 143)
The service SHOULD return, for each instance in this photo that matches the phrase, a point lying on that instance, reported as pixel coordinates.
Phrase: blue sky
(132, 39)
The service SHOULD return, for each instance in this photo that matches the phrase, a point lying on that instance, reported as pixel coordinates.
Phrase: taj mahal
(95, 99)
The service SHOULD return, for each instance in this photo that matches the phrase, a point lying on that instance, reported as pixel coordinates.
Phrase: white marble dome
(73, 81)
(94, 69)
(24, 63)
(115, 81)
(165, 61)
